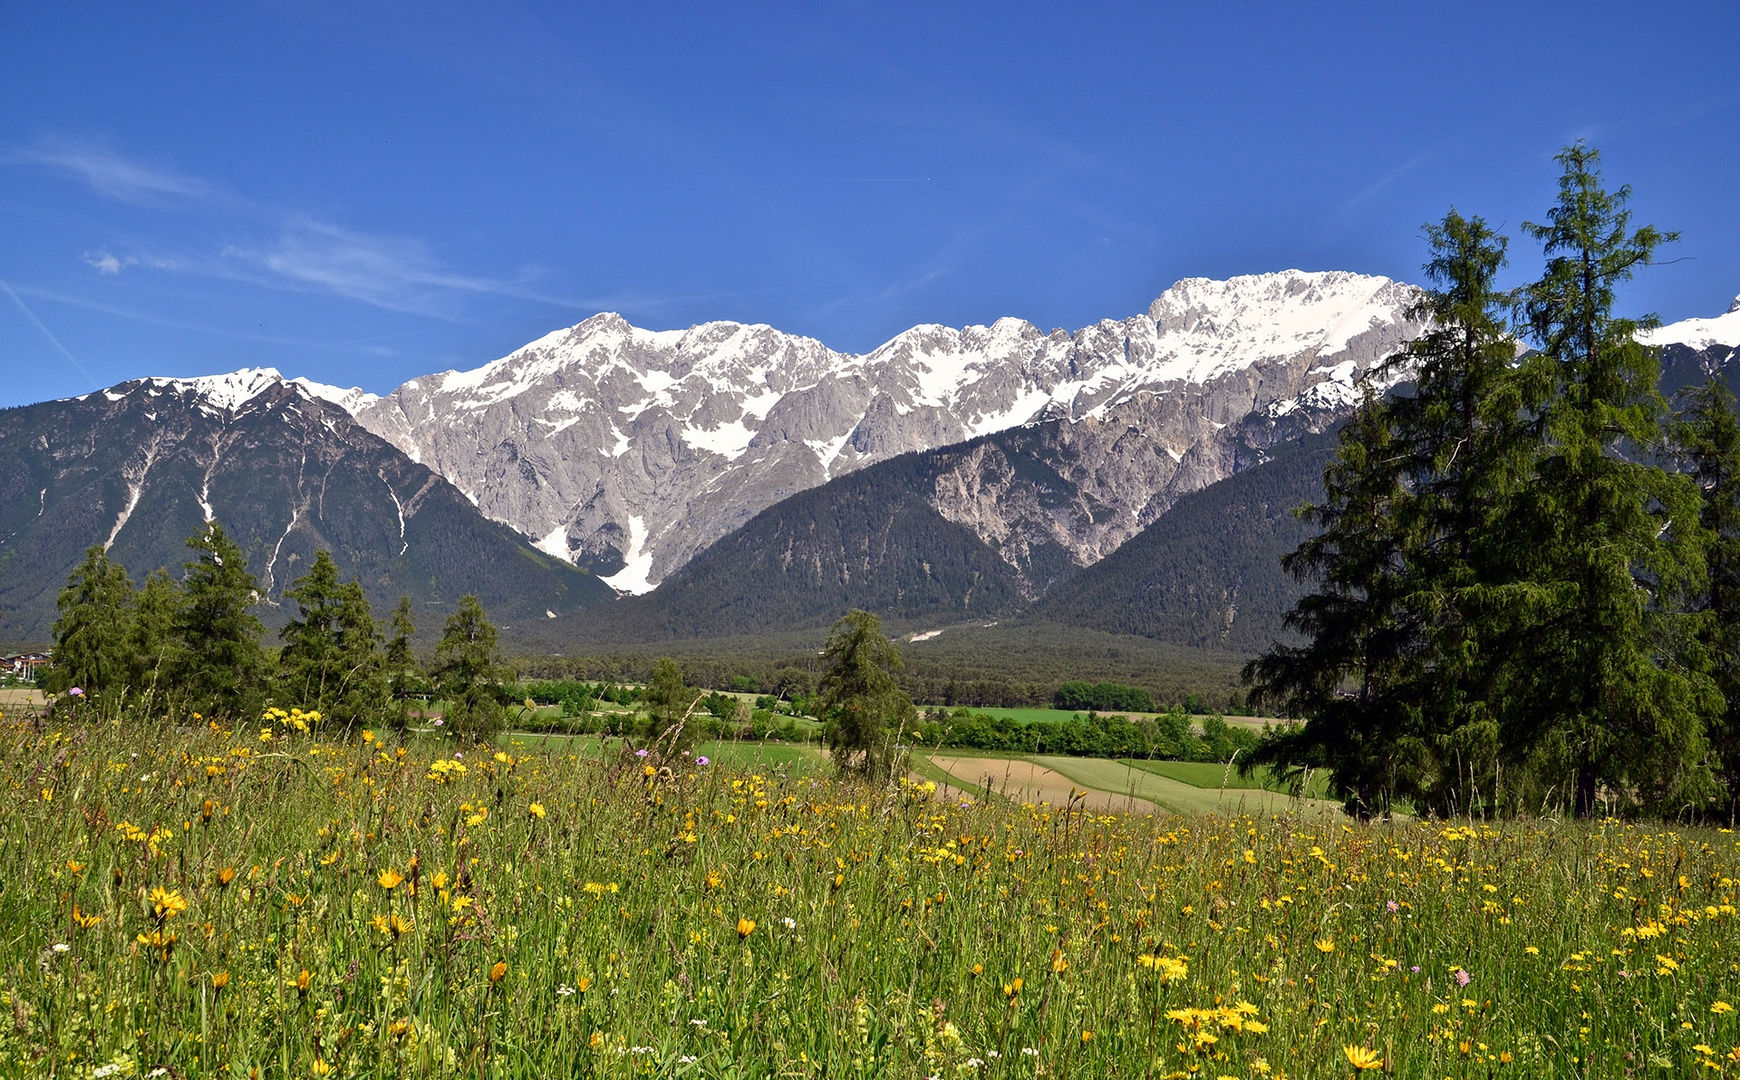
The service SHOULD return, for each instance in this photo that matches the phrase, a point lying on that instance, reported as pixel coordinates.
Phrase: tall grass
(267, 902)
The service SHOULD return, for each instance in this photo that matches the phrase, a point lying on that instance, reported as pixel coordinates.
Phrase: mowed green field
(1125, 779)
(1209, 774)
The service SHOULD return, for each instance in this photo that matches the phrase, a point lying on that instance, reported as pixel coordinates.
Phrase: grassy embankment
(207, 902)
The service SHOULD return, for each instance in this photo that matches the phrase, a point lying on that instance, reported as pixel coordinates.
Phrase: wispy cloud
(1370, 191)
(47, 333)
(109, 174)
(105, 263)
(295, 252)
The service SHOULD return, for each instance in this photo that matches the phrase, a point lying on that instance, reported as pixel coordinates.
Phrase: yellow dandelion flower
(390, 879)
(1721, 1007)
(1325, 945)
(1362, 1058)
(745, 927)
(219, 980)
(536, 810)
(166, 904)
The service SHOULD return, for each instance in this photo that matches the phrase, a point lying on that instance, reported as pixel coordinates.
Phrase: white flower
(158, 1072)
(790, 923)
(973, 1063)
(687, 1059)
(61, 946)
(565, 990)
(698, 1023)
(1029, 1051)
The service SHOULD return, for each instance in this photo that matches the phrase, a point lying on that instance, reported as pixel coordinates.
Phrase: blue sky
(364, 192)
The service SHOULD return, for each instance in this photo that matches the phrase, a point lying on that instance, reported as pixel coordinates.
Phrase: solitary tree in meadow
(863, 706)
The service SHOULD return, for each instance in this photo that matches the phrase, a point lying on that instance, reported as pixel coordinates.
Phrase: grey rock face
(627, 451)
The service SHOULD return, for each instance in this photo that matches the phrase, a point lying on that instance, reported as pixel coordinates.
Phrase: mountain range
(1135, 476)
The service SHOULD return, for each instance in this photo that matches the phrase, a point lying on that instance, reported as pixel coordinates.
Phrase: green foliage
(331, 659)
(669, 703)
(92, 647)
(859, 698)
(1614, 544)
(217, 664)
(1500, 618)
(1707, 435)
(399, 664)
(1105, 696)
(152, 641)
(468, 673)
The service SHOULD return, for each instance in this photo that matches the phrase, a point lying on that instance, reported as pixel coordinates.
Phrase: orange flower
(496, 972)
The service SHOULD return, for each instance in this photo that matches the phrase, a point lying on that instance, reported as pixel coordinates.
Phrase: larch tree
(1603, 696)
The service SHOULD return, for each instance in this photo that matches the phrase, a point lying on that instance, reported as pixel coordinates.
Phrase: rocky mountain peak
(627, 450)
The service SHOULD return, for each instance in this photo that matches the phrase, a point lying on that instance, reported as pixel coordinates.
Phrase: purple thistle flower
(703, 760)
(640, 753)
(1463, 978)
(77, 691)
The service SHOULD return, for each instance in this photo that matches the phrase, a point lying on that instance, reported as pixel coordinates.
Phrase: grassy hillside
(330, 907)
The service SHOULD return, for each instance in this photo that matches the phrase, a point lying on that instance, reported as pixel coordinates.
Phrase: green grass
(1176, 795)
(1208, 774)
(195, 902)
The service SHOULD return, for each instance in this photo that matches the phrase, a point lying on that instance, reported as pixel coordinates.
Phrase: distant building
(24, 665)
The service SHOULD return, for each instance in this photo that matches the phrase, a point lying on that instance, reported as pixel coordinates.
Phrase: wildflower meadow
(273, 902)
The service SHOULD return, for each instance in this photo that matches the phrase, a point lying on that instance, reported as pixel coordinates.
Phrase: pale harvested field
(1031, 782)
(19, 700)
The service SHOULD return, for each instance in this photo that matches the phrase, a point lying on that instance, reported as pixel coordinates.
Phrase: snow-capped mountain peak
(614, 445)
(1699, 333)
(231, 390)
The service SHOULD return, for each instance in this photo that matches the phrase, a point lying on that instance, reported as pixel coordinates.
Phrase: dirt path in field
(1028, 782)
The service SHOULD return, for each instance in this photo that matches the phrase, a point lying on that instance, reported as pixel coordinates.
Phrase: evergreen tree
(668, 700)
(91, 646)
(1465, 447)
(864, 707)
(1350, 679)
(151, 643)
(402, 670)
(218, 663)
(1707, 434)
(1613, 542)
(331, 659)
(468, 672)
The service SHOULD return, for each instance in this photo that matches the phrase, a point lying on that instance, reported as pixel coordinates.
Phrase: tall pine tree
(218, 664)
(1601, 694)
(91, 647)
(1707, 434)
(331, 660)
(1349, 680)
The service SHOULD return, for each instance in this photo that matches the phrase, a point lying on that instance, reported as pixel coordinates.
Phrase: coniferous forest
(1521, 590)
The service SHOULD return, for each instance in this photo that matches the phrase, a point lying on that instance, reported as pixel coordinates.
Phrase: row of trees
(1528, 570)
(196, 644)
